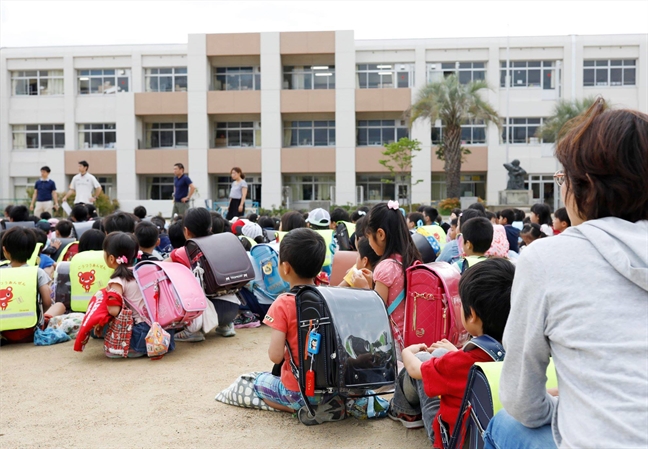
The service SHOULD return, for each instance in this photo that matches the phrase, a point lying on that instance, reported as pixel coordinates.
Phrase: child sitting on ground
(18, 244)
(148, 237)
(477, 236)
(414, 220)
(367, 258)
(442, 370)
(301, 256)
(530, 233)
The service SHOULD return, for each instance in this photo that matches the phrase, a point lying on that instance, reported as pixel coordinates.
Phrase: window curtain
(287, 137)
(19, 137)
(55, 85)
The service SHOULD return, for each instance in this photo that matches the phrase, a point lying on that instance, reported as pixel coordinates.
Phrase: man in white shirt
(84, 184)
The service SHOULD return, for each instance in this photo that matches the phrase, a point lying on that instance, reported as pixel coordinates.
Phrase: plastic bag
(49, 337)
(157, 341)
(209, 318)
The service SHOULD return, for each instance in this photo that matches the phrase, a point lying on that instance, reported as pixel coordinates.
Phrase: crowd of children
(513, 298)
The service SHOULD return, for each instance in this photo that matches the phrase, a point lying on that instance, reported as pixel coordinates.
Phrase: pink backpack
(171, 293)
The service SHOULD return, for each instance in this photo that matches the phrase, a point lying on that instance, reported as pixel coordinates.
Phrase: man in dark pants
(183, 189)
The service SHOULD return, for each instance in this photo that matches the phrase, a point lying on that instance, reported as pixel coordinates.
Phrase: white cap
(252, 230)
(319, 217)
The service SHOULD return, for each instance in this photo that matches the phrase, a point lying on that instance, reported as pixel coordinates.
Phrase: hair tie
(121, 259)
(362, 213)
(393, 205)
(419, 223)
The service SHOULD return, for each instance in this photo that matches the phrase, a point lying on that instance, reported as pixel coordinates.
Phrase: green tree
(564, 111)
(398, 161)
(453, 103)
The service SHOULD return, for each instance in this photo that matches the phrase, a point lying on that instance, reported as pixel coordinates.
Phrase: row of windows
(248, 134)
(606, 72)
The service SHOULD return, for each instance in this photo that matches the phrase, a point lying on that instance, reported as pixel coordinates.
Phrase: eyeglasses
(559, 177)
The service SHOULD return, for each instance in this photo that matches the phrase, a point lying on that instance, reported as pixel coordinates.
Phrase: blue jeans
(504, 432)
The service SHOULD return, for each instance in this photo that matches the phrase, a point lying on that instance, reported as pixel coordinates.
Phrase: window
(166, 80)
(21, 186)
(522, 130)
(466, 71)
(37, 82)
(380, 132)
(167, 135)
(103, 81)
(309, 77)
(107, 186)
(473, 132)
(318, 133)
(470, 184)
(238, 134)
(375, 189)
(309, 187)
(38, 136)
(381, 76)
(606, 72)
(530, 74)
(224, 184)
(100, 135)
(158, 188)
(237, 78)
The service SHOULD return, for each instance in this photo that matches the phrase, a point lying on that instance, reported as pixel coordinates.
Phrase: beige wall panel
(477, 161)
(367, 160)
(234, 102)
(376, 100)
(223, 159)
(154, 162)
(161, 103)
(102, 162)
(233, 44)
(308, 160)
(307, 101)
(308, 42)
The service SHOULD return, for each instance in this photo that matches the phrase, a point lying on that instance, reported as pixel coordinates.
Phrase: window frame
(300, 127)
(384, 70)
(110, 128)
(526, 125)
(56, 130)
(16, 77)
(161, 127)
(238, 71)
(457, 70)
(237, 126)
(372, 125)
(176, 72)
(470, 124)
(88, 75)
(316, 184)
(608, 68)
(551, 67)
(326, 72)
(162, 182)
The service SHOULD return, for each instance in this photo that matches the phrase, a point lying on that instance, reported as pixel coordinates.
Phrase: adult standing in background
(44, 193)
(237, 195)
(85, 185)
(183, 189)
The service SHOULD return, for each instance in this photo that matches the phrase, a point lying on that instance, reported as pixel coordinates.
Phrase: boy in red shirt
(485, 291)
(301, 256)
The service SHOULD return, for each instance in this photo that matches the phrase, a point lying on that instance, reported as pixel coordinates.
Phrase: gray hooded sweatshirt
(582, 298)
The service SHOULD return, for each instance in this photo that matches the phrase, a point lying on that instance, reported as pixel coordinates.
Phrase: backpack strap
(396, 302)
(489, 345)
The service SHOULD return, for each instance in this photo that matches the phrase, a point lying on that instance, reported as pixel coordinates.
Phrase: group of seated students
(578, 298)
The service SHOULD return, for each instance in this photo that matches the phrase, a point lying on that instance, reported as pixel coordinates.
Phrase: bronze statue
(516, 175)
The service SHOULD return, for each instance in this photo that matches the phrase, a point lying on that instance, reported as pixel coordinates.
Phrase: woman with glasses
(581, 298)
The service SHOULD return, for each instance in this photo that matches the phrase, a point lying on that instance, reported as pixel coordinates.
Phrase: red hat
(237, 224)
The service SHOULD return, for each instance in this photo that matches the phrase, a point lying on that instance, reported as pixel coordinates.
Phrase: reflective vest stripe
(32, 262)
(17, 315)
(327, 234)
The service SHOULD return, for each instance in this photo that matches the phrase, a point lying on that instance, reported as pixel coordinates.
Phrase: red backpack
(432, 305)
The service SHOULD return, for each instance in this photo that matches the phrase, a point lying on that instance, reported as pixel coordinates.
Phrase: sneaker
(409, 421)
(246, 320)
(185, 335)
(226, 331)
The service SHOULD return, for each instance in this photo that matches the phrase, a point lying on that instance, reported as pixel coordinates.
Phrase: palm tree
(454, 104)
(564, 111)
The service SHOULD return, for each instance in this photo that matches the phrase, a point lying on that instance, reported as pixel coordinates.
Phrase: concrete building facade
(304, 115)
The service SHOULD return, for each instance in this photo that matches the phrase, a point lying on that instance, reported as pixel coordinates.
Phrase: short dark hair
(490, 215)
(266, 222)
(91, 240)
(147, 234)
(543, 212)
(45, 215)
(64, 228)
(365, 250)
(339, 214)
(92, 210)
(140, 212)
(159, 222)
(119, 221)
(478, 206)
(198, 221)
(431, 213)
(46, 168)
(486, 288)
(305, 251)
(84, 163)
(358, 214)
(561, 214)
(41, 236)
(414, 217)
(20, 243)
(98, 225)
(605, 158)
(519, 214)
(176, 234)
(468, 214)
(479, 232)
(179, 165)
(19, 213)
(361, 226)
(454, 221)
(292, 220)
(80, 213)
(219, 223)
(509, 214)
(533, 229)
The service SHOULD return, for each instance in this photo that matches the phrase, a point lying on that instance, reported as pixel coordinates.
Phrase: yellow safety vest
(351, 227)
(327, 234)
(435, 231)
(252, 241)
(18, 298)
(281, 235)
(33, 260)
(88, 274)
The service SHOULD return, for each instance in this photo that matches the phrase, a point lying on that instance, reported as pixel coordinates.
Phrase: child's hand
(552, 391)
(361, 279)
(415, 349)
(445, 344)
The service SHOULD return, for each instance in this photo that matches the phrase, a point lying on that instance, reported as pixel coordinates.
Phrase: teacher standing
(237, 195)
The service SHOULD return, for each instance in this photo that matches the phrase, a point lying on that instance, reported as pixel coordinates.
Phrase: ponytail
(123, 247)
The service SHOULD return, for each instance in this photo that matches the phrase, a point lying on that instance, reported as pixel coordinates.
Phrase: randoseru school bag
(266, 272)
(432, 305)
(171, 293)
(220, 262)
(343, 232)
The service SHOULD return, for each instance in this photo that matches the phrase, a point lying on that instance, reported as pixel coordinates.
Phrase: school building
(304, 115)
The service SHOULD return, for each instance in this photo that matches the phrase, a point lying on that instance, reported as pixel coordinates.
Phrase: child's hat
(252, 230)
(319, 217)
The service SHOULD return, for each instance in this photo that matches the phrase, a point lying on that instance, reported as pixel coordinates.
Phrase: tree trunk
(452, 142)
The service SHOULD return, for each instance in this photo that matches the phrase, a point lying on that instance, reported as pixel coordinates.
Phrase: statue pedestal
(515, 197)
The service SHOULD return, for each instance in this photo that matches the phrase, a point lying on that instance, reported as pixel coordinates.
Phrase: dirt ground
(53, 397)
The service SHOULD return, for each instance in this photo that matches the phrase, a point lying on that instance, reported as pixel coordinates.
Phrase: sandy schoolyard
(53, 397)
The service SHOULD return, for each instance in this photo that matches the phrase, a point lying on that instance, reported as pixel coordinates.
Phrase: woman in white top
(237, 194)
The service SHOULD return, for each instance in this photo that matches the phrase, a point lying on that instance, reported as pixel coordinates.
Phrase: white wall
(345, 120)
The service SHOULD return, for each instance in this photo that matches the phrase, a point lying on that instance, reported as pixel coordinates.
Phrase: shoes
(185, 335)
(226, 331)
(409, 421)
(246, 320)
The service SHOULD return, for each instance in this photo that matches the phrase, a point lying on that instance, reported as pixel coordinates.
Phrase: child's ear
(380, 234)
(285, 268)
